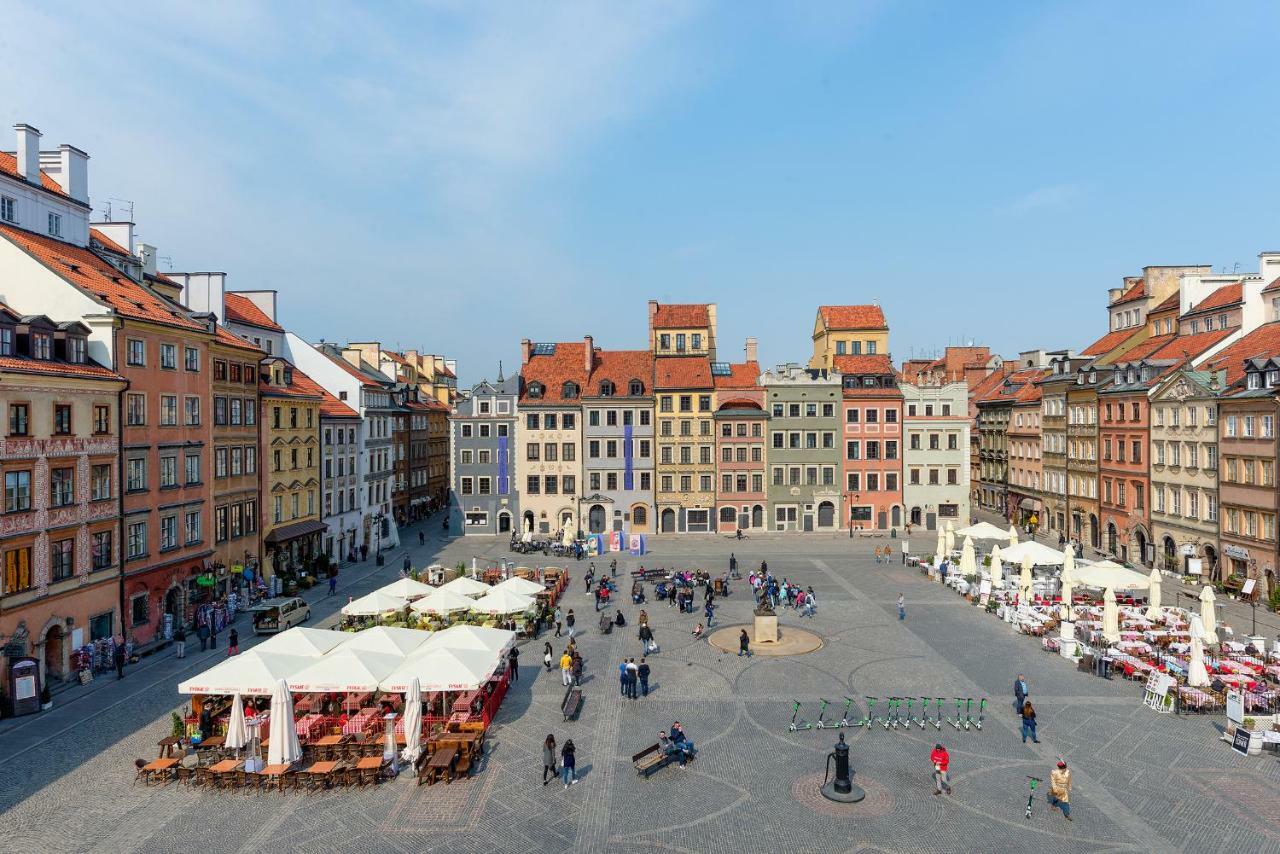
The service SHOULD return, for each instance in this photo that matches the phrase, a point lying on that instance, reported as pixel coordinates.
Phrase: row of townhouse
(675, 439)
(163, 439)
(1156, 443)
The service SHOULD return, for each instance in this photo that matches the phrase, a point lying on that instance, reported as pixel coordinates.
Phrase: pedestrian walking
(941, 764)
(549, 759)
(233, 643)
(710, 613)
(559, 617)
(546, 655)
(333, 584)
(744, 644)
(1060, 788)
(733, 566)
(422, 538)
(646, 637)
(513, 663)
(902, 607)
(408, 565)
(213, 631)
(633, 678)
(613, 567)
(202, 632)
(568, 763)
(180, 640)
(566, 668)
(1020, 692)
(577, 668)
(569, 620)
(643, 673)
(622, 678)
(1029, 723)
(117, 657)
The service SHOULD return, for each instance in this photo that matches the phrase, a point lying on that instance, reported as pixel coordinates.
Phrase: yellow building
(290, 428)
(848, 330)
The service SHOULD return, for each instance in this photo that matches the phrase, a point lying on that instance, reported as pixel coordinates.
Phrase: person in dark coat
(1020, 692)
(117, 656)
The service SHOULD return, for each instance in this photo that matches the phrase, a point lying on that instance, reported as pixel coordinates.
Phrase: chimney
(750, 350)
(526, 350)
(352, 356)
(28, 153)
(74, 172)
(119, 232)
(589, 353)
(147, 253)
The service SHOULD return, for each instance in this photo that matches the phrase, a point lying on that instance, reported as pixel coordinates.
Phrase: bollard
(841, 788)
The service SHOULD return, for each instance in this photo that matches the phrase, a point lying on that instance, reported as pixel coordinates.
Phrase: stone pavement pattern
(1143, 782)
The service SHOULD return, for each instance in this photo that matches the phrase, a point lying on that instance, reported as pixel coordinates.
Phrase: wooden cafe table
(367, 769)
(159, 767)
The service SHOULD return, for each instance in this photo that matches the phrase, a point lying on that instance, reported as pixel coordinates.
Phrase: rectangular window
(62, 419)
(191, 358)
(17, 491)
(220, 458)
(101, 550)
(219, 411)
(168, 472)
(8, 209)
(533, 485)
(192, 411)
(169, 357)
(100, 482)
(62, 487)
(19, 419)
(55, 225)
(101, 419)
(17, 570)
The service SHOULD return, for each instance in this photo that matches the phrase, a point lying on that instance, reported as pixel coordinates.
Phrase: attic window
(75, 350)
(75, 268)
(606, 388)
(1273, 378)
(535, 390)
(569, 390)
(41, 346)
(544, 349)
(1254, 379)
(636, 388)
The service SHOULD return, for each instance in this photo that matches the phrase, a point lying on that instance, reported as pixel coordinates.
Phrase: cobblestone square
(1143, 782)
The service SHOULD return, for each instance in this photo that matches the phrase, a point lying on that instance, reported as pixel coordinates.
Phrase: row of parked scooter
(894, 717)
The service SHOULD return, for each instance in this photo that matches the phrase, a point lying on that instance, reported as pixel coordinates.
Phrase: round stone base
(791, 641)
(854, 794)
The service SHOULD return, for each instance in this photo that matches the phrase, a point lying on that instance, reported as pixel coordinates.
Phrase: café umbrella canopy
(345, 671)
(412, 721)
(479, 638)
(984, 531)
(444, 670)
(499, 601)
(466, 586)
(1207, 615)
(521, 586)
(253, 672)
(388, 640)
(284, 748)
(374, 604)
(1197, 673)
(237, 732)
(1107, 573)
(300, 640)
(1041, 555)
(1153, 596)
(442, 602)
(1110, 617)
(407, 588)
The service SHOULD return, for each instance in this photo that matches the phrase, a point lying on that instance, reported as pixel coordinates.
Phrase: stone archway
(504, 522)
(596, 519)
(1170, 555)
(668, 521)
(826, 514)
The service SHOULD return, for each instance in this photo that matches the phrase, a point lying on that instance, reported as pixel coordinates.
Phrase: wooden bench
(571, 705)
(650, 759)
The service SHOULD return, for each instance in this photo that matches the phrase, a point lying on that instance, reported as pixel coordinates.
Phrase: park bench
(572, 703)
(650, 759)
(648, 574)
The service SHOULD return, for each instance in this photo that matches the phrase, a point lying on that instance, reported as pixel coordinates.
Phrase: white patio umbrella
(373, 604)
(1025, 581)
(1153, 596)
(1068, 579)
(407, 588)
(997, 569)
(253, 672)
(1110, 616)
(499, 601)
(968, 563)
(1107, 574)
(1013, 535)
(284, 748)
(568, 537)
(237, 732)
(1197, 674)
(412, 722)
(345, 671)
(1207, 615)
(466, 586)
(304, 641)
(388, 640)
(442, 602)
(477, 638)
(984, 531)
(444, 670)
(522, 586)
(1041, 555)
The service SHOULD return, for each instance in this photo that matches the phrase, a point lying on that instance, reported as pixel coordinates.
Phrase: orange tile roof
(1136, 292)
(98, 280)
(740, 403)
(1146, 348)
(986, 384)
(226, 336)
(852, 317)
(1274, 286)
(436, 406)
(89, 370)
(1261, 342)
(874, 364)
(445, 372)
(1227, 295)
(741, 375)
(566, 364)
(676, 372)
(240, 309)
(1109, 342)
(301, 387)
(681, 316)
(620, 367)
(1002, 391)
(108, 244)
(9, 166)
(1188, 346)
(1171, 302)
(330, 406)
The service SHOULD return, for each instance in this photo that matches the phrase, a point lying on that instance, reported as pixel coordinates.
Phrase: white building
(935, 457)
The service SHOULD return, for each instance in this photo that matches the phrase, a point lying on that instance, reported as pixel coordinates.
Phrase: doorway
(54, 653)
(595, 519)
(504, 522)
(668, 521)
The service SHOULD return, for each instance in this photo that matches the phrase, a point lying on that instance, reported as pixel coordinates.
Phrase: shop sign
(1235, 551)
(1240, 741)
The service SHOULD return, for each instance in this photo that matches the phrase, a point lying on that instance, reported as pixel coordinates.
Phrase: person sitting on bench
(697, 631)
(619, 620)
(681, 744)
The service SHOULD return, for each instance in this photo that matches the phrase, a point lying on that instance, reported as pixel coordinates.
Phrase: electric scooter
(821, 712)
(870, 718)
(982, 711)
(968, 713)
(891, 718)
(956, 723)
(844, 719)
(924, 711)
(910, 716)
(1031, 794)
(802, 724)
(937, 721)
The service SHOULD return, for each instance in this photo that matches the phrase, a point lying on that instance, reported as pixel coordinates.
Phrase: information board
(1240, 741)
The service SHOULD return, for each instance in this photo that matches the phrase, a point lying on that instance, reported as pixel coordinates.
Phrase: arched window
(636, 388)
(606, 388)
(569, 391)
(536, 390)
(639, 516)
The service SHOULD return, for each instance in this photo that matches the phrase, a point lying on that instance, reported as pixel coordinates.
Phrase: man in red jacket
(941, 762)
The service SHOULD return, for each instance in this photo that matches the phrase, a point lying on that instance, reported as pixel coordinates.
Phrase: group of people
(1059, 779)
(884, 554)
(782, 593)
(634, 678)
(571, 662)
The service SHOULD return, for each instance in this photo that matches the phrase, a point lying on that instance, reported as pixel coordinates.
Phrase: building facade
(236, 445)
(848, 330)
(340, 482)
(741, 428)
(549, 434)
(805, 409)
(291, 528)
(485, 495)
(869, 441)
(618, 443)
(936, 454)
(1026, 456)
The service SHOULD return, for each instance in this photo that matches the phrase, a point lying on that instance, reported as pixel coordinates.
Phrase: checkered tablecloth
(356, 725)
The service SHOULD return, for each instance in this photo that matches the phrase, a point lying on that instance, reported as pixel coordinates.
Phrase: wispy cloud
(1044, 198)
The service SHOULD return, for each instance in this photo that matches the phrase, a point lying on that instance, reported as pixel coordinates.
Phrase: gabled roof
(620, 367)
(240, 309)
(873, 364)
(682, 372)
(1109, 342)
(229, 338)
(368, 377)
(986, 384)
(51, 367)
(1007, 389)
(1136, 292)
(1145, 349)
(1261, 342)
(9, 166)
(741, 375)
(681, 316)
(1223, 297)
(1188, 346)
(852, 317)
(330, 406)
(1272, 288)
(566, 364)
(300, 386)
(98, 280)
(1171, 302)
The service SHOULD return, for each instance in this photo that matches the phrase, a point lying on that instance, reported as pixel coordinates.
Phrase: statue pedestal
(1067, 639)
(766, 629)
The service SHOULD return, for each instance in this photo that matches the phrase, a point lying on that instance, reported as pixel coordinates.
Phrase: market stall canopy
(443, 670)
(254, 672)
(373, 604)
(442, 602)
(1108, 574)
(471, 637)
(388, 640)
(407, 588)
(1041, 555)
(466, 586)
(521, 586)
(345, 670)
(300, 640)
(984, 531)
(499, 601)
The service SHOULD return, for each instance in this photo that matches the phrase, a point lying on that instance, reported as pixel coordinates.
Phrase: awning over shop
(1029, 504)
(285, 533)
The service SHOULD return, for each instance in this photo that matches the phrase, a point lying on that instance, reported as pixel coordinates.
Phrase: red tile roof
(104, 242)
(436, 406)
(9, 166)
(741, 375)
(681, 316)
(620, 367)
(301, 387)
(1188, 346)
(1136, 292)
(1171, 302)
(740, 403)
(875, 364)
(365, 380)
(1223, 297)
(852, 317)
(1109, 342)
(330, 406)
(226, 336)
(1017, 381)
(1274, 286)
(240, 309)
(676, 372)
(99, 280)
(89, 370)
(992, 380)
(1146, 348)
(1263, 341)
(566, 364)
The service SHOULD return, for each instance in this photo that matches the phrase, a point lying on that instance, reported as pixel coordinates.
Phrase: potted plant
(177, 728)
(46, 698)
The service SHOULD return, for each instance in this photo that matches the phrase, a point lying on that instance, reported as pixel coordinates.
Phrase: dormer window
(41, 346)
(55, 225)
(8, 209)
(569, 391)
(75, 350)
(1273, 378)
(6, 340)
(1129, 376)
(1093, 377)
(1146, 374)
(606, 389)
(535, 390)
(636, 388)
(1254, 379)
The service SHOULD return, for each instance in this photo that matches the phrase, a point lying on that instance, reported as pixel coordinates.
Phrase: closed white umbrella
(412, 722)
(968, 563)
(941, 551)
(284, 748)
(567, 539)
(1025, 581)
(1197, 673)
(1013, 535)
(499, 601)
(1068, 579)
(1207, 615)
(442, 602)
(997, 569)
(407, 588)
(522, 586)
(951, 538)
(237, 732)
(1110, 616)
(1153, 597)
(466, 586)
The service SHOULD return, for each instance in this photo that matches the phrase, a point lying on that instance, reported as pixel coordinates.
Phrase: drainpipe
(120, 481)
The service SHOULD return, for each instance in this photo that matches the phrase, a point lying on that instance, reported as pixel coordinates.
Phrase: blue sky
(456, 176)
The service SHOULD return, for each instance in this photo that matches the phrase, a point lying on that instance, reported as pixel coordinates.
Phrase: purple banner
(628, 475)
(504, 479)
